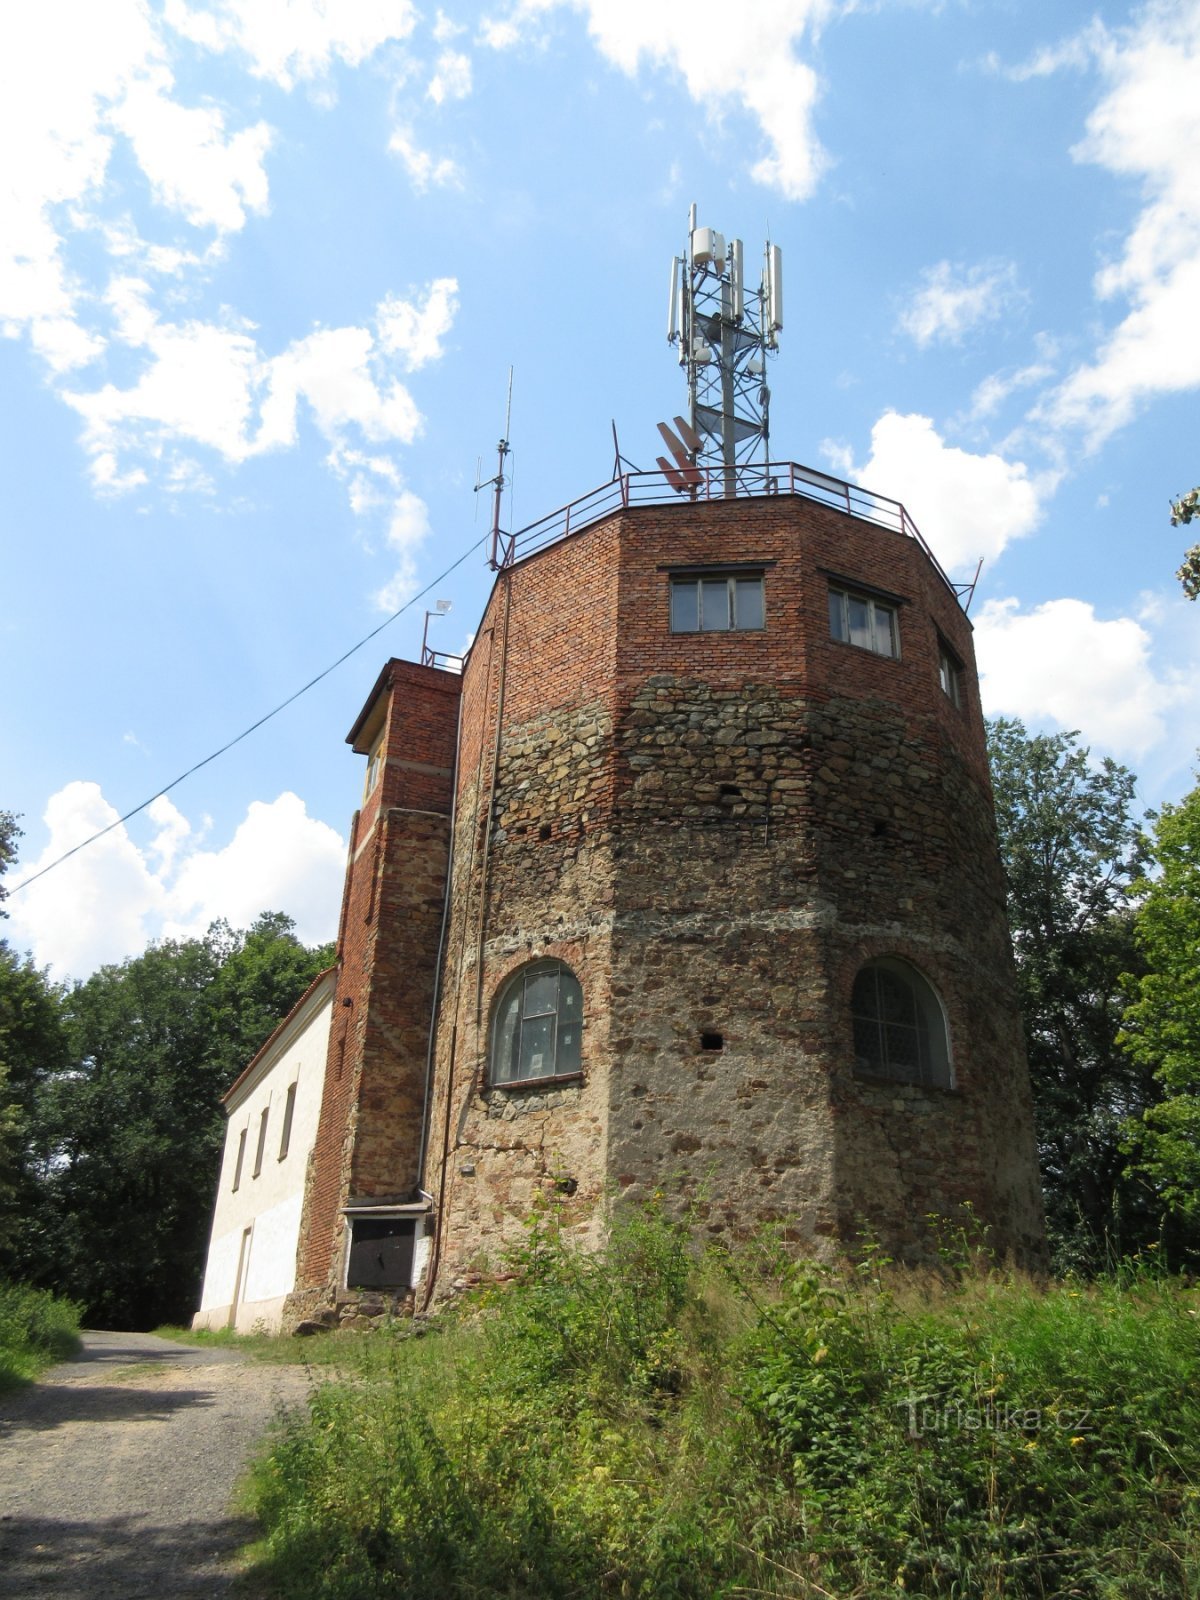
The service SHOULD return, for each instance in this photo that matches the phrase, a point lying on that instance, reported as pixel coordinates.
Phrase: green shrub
(649, 1420)
(36, 1329)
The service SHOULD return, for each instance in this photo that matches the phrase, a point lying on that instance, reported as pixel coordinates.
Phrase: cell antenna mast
(725, 331)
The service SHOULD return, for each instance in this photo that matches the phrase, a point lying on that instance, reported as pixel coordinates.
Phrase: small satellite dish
(444, 606)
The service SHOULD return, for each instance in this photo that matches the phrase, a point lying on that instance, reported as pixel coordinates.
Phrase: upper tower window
(864, 620)
(716, 602)
(899, 1024)
(536, 1032)
(374, 767)
(949, 672)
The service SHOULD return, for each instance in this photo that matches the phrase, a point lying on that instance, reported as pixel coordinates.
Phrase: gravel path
(116, 1470)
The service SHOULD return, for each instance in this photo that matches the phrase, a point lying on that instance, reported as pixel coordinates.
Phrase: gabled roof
(297, 1019)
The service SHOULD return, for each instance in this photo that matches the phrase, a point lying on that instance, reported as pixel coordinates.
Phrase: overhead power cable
(254, 726)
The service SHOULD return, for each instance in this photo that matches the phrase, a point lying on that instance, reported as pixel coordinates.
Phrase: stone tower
(725, 916)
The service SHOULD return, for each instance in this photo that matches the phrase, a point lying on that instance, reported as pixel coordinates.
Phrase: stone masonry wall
(715, 831)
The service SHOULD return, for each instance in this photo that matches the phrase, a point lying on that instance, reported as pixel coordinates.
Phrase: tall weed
(37, 1328)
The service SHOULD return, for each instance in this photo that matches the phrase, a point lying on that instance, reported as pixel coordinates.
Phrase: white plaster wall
(269, 1204)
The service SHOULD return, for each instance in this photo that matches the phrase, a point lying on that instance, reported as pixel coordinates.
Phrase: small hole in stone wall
(544, 831)
(566, 1185)
(880, 829)
(712, 1041)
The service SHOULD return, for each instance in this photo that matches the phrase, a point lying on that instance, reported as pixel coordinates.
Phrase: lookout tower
(687, 882)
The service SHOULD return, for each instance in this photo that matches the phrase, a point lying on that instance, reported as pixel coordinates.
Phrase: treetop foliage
(118, 1083)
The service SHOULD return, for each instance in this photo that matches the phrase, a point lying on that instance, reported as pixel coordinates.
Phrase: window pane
(507, 1030)
(685, 612)
(885, 631)
(568, 1057)
(903, 1057)
(541, 994)
(867, 1051)
(715, 603)
(537, 1047)
(748, 603)
(837, 619)
(859, 617)
(896, 1000)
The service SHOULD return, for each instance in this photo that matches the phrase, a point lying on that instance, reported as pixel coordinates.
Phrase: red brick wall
(373, 1100)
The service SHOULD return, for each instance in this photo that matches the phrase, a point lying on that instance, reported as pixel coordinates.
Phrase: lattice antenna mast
(725, 331)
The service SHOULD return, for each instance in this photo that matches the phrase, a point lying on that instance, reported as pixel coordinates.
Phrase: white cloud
(407, 528)
(1061, 663)
(1146, 127)
(415, 329)
(288, 41)
(953, 299)
(279, 859)
(445, 28)
(451, 78)
(424, 169)
(965, 505)
(750, 60)
(210, 384)
(110, 900)
(994, 390)
(191, 163)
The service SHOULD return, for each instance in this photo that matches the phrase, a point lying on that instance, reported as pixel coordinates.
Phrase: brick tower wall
(368, 1137)
(546, 647)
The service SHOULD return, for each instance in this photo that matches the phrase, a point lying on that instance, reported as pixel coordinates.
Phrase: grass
(656, 1421)
(37, 1329)
(331, 1349)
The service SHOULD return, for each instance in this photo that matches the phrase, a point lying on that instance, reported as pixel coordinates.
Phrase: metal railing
(757, 479)
(441, 658)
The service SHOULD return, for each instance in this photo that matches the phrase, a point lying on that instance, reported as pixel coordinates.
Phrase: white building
(273, 1110)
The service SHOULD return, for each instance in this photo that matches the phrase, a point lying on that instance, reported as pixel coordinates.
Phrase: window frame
(374, 767)
(934, 1053)
(240, 1160)
(515, 1050)
(261, 1147)
(696, 577)
(845, 593)
(950, 674)
(289, 1111)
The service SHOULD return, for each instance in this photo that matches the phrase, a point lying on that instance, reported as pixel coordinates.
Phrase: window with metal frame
(899, 1025)
(864, 620)
(949, 673)
(715, 602)
(536, 1031)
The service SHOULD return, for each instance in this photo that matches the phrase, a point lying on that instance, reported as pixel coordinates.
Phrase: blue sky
(264, 267)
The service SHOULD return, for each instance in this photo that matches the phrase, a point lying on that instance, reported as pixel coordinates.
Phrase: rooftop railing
(773, 478)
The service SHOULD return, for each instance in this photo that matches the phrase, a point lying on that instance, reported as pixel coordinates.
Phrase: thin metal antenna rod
(498, 482)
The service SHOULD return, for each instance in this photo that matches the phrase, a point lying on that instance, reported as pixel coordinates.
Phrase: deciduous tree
(1162, 1022)
(1071, 849)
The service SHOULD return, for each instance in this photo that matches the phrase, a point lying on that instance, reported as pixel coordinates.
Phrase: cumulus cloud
(966, 505)
(424, 169)
(414, 329)
(451, 77)
(953, 299)
(408, 526)
(111, 899)
(1061, 663)
(210, 384)
(751, 63)
(180, 383)
(288, 41)
(1146, 127)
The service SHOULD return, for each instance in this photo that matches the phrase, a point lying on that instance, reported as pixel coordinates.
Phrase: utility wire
(254, 726)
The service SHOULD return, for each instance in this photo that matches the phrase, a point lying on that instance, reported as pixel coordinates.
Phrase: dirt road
(116, 1470)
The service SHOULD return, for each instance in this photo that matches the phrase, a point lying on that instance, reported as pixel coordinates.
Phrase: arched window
(899, 1025)
(536, 1029)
